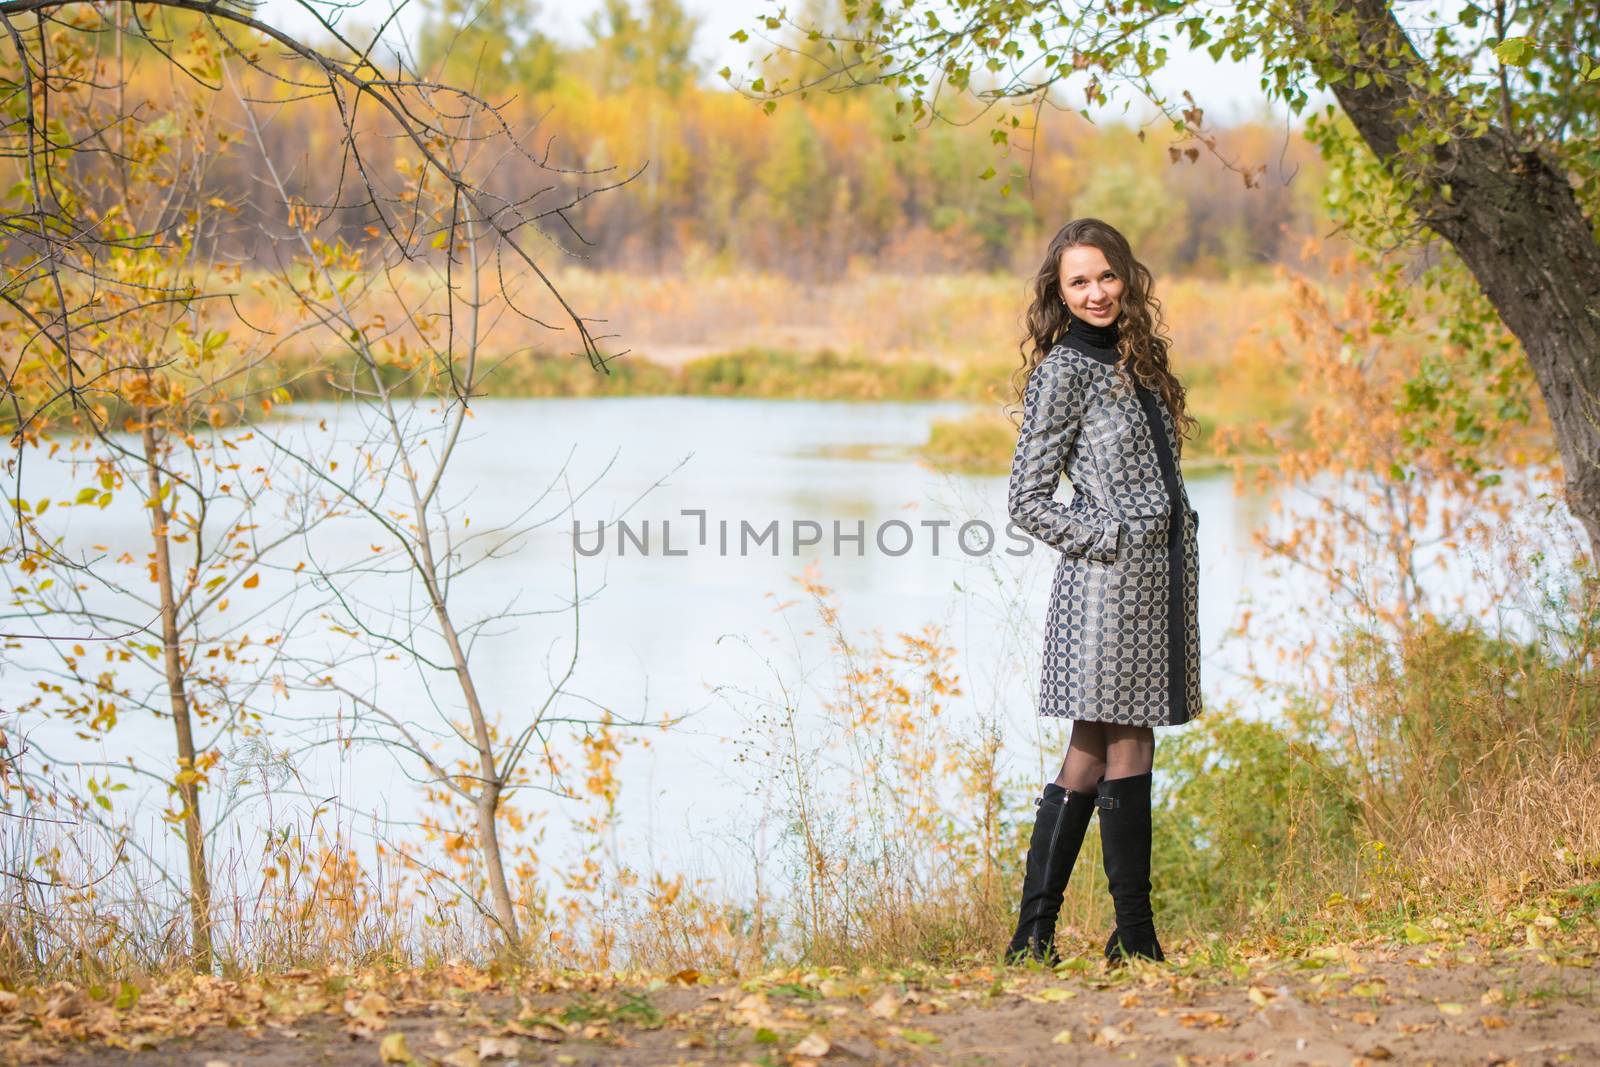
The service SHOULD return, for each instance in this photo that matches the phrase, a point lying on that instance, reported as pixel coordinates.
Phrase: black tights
(1105, 750)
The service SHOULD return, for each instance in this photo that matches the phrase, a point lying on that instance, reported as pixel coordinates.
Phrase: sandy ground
(1417, 1005)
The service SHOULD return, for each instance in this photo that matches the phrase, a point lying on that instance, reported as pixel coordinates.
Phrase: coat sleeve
(1052, 411)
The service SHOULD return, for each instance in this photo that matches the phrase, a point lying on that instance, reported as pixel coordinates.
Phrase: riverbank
(978, 443)
(1518, 987)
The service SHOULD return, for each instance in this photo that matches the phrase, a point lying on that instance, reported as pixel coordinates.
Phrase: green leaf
(1514, 51)
(919, 1037)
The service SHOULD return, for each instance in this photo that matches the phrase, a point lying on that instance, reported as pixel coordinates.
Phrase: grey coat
(1122, 638)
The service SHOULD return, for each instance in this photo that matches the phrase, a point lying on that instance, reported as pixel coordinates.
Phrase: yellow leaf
(1052, 995)
(1063, 1038)
(1451, 1008)
(252, 581)
(393, 1049)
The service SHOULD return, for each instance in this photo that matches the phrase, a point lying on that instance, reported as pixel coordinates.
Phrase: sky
(1231, 90)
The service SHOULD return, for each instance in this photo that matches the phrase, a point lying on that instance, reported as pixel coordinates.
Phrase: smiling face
(1091, 289)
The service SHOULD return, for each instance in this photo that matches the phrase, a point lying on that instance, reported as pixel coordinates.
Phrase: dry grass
(1538, 830)
(953, 322)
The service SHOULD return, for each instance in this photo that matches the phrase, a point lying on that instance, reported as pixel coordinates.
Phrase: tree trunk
(1513, 218)
(188, 782)
(494, 866)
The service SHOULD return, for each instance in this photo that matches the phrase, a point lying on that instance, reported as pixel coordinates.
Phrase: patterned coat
(1122, 638)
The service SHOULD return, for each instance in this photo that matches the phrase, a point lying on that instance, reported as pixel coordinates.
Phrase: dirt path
(1421, 1004)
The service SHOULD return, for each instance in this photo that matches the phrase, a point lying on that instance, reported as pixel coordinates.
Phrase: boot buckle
(1106, 802)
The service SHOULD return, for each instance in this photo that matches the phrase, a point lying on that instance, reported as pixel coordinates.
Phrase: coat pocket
(1107, 548)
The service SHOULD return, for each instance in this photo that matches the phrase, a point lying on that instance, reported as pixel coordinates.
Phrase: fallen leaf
(537, 1031)
(461, 1057)
(499, 1047)
(1063, 1038)
(1258, 996)
(919, 1037)
(812, 1045)
(72, 1004)
(1110, 1037)
(886, 1006)
(1451, 1008)
(370, 1004)
(1378, 1052)
(393, 1049)
(687, 976)
(1494, 1022)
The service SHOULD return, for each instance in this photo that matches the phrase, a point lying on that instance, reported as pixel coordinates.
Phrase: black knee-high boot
(1058, 829)
(1125, 842)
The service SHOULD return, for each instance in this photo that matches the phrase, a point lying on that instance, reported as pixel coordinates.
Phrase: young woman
(1121, 646)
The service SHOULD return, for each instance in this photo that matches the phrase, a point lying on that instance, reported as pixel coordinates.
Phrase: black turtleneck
(1099, 342)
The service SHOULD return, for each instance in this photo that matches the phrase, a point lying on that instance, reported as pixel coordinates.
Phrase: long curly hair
(1141, 331)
